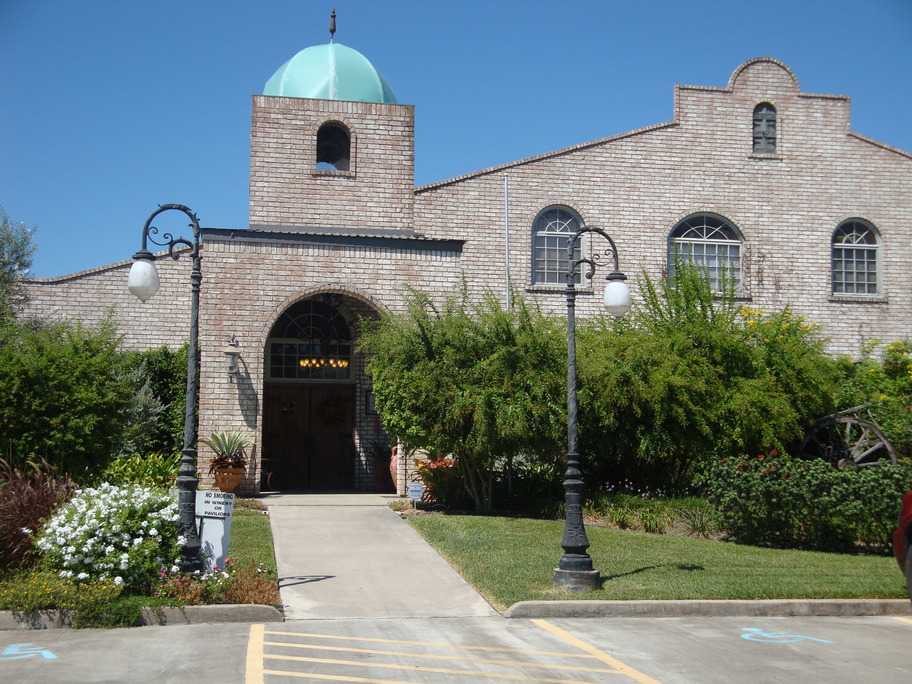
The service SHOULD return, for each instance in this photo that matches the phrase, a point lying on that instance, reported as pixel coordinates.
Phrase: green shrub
(778, 501)
(47, 590)
(471, 381)
(63, 394)
(882, 375)
(691, 376)
(155, 470)
(165, 371)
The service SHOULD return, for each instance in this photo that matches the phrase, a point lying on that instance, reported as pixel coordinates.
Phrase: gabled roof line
(546, 155)
(877, 143)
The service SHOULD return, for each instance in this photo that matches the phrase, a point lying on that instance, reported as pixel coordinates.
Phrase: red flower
(773, 452)
(760, 456)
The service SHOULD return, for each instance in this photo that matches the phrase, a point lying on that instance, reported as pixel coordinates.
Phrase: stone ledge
(184, 615)
(697, 608)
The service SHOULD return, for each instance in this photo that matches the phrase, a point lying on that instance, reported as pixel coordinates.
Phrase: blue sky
(111, 107)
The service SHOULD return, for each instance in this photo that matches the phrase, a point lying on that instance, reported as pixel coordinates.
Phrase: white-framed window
(310, 342)
(854, 262)
(551, 231)
(711, 243)
(764, 129)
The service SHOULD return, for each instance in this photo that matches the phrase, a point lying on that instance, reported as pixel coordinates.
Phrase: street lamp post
(144, 283)
(575, 572)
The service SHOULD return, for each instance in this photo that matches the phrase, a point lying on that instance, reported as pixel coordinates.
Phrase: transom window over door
(551, 231)
(854, 259)
(310, 341)
(710, 243)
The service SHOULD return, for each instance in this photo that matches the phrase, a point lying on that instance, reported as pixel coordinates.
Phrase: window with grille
(854, 259)
(764, 129)
(311, 341)
(710, 243)
(551, 232)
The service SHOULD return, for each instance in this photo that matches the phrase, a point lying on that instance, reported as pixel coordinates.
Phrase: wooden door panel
(308, 435)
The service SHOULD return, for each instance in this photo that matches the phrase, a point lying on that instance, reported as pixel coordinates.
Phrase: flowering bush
(443, 482)
(230, 584)
(126, 534)
(194, 588)
(775, 500)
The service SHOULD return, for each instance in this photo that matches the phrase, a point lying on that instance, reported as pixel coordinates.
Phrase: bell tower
(330, 147)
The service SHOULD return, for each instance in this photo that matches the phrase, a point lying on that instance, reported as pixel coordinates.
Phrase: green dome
(330, 72)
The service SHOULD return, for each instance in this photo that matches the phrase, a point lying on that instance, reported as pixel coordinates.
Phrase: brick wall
(637, 186)
(91, 296)
(287, 189)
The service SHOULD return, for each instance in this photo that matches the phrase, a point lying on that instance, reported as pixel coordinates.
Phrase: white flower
(82, 576)
(118, 581)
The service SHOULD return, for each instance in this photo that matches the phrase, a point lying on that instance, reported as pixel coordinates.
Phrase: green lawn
(251, 539)
(513, 559)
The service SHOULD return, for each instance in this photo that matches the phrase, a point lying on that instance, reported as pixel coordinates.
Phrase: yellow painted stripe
(335, 678)
(255, 655)
(902, 619)
(379, 651)
(427, 643)
(440, 670)
(620, 667)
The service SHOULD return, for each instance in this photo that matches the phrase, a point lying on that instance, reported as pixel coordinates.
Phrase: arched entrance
(313, 396)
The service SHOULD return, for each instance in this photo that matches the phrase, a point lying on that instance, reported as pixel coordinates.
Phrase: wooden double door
(309, 435)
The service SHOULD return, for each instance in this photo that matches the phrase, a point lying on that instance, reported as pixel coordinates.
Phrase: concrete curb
(185, 615)
(760, 608)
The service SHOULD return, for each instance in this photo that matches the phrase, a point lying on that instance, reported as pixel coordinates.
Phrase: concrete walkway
(350, 556)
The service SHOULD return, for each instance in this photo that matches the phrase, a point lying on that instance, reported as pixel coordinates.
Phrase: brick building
(756, 179)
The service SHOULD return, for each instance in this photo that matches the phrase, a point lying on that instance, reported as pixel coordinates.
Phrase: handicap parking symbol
(776, 637)
(19, 651)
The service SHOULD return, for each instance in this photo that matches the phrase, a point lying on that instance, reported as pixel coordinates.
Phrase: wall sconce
(232, 352)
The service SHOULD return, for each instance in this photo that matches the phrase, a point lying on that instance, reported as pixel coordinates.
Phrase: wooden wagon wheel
(847, 441)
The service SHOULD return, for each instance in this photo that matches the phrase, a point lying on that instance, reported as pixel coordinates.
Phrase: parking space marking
(616, 665)
(433, 656)
(435, 644)
(272, 654)
(902, 619)
(476, 674)
(255, 650)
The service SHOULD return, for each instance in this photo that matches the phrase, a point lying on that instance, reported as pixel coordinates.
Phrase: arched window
(551, 230)
(712, 244)
(310, 341)
(854, 259)
(333, 148)
(764, 128)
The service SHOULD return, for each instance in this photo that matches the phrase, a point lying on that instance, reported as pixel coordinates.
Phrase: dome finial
(332, 25)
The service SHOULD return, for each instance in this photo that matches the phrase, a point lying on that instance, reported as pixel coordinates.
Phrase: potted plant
(228, 464)
(378, 451)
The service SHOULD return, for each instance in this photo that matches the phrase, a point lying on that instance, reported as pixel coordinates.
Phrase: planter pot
(227, 479)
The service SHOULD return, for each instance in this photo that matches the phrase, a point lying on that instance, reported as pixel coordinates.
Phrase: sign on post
(214, 511)
(415, 492)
